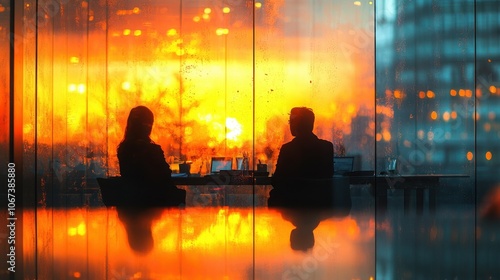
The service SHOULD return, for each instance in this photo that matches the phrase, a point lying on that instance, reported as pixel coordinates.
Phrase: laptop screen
(221, 163)
(342, 165)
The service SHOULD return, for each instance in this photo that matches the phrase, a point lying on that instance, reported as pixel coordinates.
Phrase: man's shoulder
(325, 143)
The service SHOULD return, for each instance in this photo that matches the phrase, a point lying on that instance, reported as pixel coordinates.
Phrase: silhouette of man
(143, 166)
(304, 158)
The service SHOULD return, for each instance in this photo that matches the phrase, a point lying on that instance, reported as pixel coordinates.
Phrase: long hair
(139, 124)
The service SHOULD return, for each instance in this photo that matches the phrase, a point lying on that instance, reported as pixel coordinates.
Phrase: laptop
(342, 165)
(220, 163)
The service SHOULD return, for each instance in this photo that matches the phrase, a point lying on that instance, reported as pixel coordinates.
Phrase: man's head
(301, 121)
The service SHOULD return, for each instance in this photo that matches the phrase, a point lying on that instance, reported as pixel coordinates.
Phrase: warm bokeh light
(398, 94)
(446, 116)
(453, 92)
(81, 88)
(468, 93)
(78, 230)
(488, 155)
(172, 32)
(470, 156)
(386, 135)
(487, 127)
(453, 115)
(221, 31)
(493, 89)
(434, 115)
(491, 115)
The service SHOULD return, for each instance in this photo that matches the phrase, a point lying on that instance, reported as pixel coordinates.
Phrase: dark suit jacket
(301, 163)
(305, 157)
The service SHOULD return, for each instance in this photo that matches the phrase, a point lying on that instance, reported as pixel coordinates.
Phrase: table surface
(259, 180)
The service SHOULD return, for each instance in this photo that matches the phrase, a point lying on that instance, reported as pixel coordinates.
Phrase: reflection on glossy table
(254, 243)
(380, 185)
(195, 243)
(408, 183)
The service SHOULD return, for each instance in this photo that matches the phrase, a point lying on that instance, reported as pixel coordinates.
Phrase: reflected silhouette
(137, 223)
(306, 156)
(146, 176)
(330, 202)
(301, 160)
(304, 189)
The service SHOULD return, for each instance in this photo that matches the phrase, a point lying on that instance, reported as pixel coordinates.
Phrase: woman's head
(139, 124)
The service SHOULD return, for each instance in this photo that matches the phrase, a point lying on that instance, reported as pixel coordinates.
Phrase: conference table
(379, 184)
(410, 182)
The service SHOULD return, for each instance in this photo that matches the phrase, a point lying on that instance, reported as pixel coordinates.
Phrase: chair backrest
(116, 191)
(112, 191)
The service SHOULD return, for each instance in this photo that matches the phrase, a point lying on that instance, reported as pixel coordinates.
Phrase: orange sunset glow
(215, 241)
(212, 92)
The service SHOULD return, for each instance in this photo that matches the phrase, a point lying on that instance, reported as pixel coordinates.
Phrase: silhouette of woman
(146, 174)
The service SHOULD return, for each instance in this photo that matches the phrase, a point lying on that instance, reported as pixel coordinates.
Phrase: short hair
(302, 118)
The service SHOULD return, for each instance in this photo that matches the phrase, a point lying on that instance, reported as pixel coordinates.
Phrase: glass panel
(487, 95)
(5, 84)
(426, 122)
(316, 54)
(6, 131)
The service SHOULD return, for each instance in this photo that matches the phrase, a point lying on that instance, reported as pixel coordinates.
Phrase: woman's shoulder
(139, 145)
